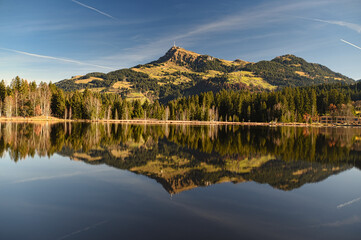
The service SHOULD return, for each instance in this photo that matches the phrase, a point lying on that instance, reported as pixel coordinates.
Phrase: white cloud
(352, 26)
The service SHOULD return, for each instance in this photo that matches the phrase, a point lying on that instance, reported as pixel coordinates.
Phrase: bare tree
(109, 112)
(9, 105)
(70, 112)
(45, 97)
(166, 113)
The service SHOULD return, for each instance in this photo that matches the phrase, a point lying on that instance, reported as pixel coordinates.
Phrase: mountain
(181, 72)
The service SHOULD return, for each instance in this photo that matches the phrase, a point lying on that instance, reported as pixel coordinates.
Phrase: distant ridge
(180, 72)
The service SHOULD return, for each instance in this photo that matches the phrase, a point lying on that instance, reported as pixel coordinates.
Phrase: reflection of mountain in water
(288, 176)
(179, 169)
(185, 157)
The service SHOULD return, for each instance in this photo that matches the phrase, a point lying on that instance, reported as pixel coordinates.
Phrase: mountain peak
(287, 57)
(177, 54)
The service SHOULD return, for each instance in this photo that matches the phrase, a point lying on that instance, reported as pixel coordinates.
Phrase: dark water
(95, 181)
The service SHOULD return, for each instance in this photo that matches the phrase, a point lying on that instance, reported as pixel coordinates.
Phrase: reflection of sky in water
(56, 198)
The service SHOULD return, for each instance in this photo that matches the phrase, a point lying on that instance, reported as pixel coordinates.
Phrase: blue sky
(50, 40)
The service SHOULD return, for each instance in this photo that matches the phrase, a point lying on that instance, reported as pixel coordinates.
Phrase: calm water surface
(108, 181)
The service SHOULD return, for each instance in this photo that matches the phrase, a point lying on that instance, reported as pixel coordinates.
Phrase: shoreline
(170, 122)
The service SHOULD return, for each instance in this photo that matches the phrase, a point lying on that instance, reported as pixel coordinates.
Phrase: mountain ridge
(180, 72)
(180, 55)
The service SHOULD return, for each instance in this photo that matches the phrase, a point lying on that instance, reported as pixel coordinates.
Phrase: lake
(113, 181)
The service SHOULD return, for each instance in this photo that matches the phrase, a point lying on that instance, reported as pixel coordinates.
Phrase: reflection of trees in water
(22, 140)
(287, 143)
(182, 157)
(237, 142)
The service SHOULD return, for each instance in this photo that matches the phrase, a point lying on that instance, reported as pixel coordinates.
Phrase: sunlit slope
(181, 72)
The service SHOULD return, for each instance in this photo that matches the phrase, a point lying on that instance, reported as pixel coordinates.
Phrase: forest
(301, 104)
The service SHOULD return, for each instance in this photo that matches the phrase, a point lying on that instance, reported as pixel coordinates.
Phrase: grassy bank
(43, 119)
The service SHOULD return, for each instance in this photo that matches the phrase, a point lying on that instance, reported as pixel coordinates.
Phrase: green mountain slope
(289, 70)
(181, 72)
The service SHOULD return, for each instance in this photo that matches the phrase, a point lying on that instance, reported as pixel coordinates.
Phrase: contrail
(353, 45)
(47, 177)
(94, 9)
(82, 230)
(54, 58)
(349, 203)
(41, 178)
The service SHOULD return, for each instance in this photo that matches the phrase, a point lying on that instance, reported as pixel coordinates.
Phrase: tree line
(301, 104)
